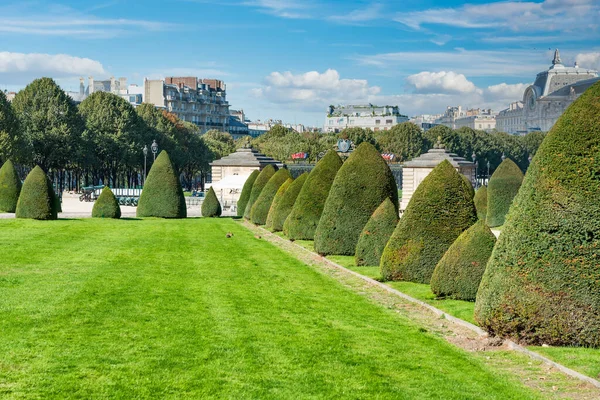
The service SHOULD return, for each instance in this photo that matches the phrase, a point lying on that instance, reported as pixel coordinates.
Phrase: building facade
(481, 120)
(369, 116)
(454, 113)
(202, 102)
(510, 120)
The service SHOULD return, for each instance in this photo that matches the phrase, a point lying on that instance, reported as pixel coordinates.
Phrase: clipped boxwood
(10, 187)
(281, 209)
(260, 209)
(439, 211)
(37, 199)
(542, 282)
(302, 222)
(502, 189)
(480, 200)
(376, 234)
(162, 195)
(107, 205)
(211, 207)
(276, 201)
(245, 196)
(459, 272)
(260, 182)
(360, 186)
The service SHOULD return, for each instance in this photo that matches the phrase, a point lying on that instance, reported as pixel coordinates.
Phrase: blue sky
(289, 59)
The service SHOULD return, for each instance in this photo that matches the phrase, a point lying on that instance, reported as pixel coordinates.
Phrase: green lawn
(166, 308)
(583, 360)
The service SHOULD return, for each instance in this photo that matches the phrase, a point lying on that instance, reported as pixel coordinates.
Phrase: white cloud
(282, 8)
(505, 92)
(588, 60)
(372, 12)
(440, 82)
(23, 67)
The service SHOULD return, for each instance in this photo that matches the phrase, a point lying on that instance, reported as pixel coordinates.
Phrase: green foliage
(107, 205)
(162, 195)
(219, 143)
(360, 186)
(261, 180)
(376, 234)
(458, 274)
(211, 207)
(502, 189)
(542, 282)
(245, 196)
(37, 199)
(405, 140)
(276, 201)
(260, 209)
(49, 124)
(10, 187)
(302, 222)
(481, 202)
(358, 135)
(10, 143)
(284, 202)
(439, 211)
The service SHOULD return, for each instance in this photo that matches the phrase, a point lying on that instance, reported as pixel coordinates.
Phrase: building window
(389, 121)
(377, 121)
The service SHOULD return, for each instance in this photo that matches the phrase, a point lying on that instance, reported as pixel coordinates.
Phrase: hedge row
(283, 204)
(260, 209)
(502, 189)
(257, 187)
(376, 234)
(246, 190)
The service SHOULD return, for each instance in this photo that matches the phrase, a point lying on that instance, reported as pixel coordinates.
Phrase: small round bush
(439, 211)
(107, 205)
(282, 207)
(480, 201)
(162, 195)
(459, 272)
(542, 282)
(10, 187)
(360, 186)
(211, 206)
(302, 222)
(261, 180)
(37, 199)
(245, 196)
(502, 189)
(376, 234)
(260, 209)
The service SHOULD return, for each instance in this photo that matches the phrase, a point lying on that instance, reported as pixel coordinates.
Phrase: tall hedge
(260, 182)
(502, 189)
(10, 187)
(162, 195)
(542, 283)
(439, 211)
(302, 222)
(243, 201)
(458, 273)
(260, 209)
(376, 234)
(360, 186)
(106, 205)
(37, 199)
(480, 200)
(211, 207)
(284, 202)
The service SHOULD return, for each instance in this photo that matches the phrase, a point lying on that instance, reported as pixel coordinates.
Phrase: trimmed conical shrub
(376, 234)
(542, 282)
(37, 199)
(245, 196)
(302, 222)
(260, 209)
(282, 207)
(10, 187)
(276, 201)
(469, 185)
(439, 211)
(480, 201)
(162, 195)
(107, 205)
(261, 180)
(211, 206)
(459, 272)
(502, 189)
(360, 186)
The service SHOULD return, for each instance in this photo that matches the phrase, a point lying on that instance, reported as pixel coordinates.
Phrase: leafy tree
(405, 140)
(10, 187)
(37, 199)
(107, 205)
(542, 282)
(358, 135)
(211, 207)
(532, 141)
(162, 196)
(10, 144)
(49, 124)
(219, 143)
(448, 137)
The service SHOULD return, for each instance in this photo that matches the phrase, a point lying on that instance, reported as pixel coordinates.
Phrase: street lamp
(154, 148)
(503, 156)
(488, 174)
(530, 158)
(145, 150)
(474, 158)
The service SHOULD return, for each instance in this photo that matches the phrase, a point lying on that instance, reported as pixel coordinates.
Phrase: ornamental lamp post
(503, 156)
(154, 148)
(474, 158)
(145, 151)
(488, 174)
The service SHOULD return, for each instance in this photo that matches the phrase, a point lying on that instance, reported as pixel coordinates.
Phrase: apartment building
(376, 118)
